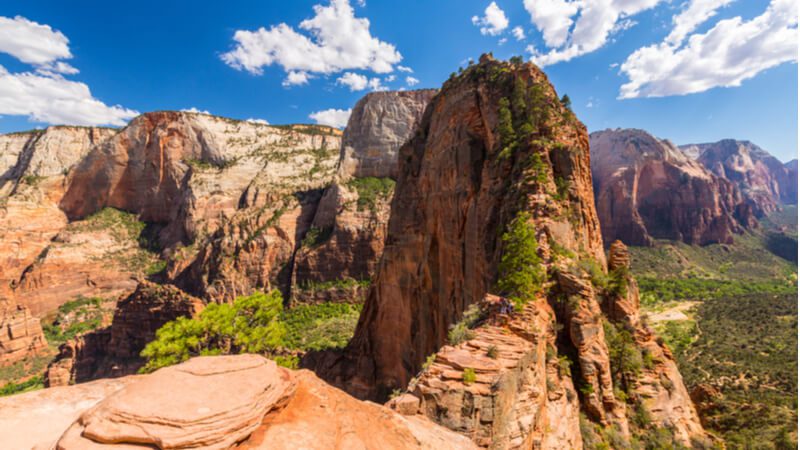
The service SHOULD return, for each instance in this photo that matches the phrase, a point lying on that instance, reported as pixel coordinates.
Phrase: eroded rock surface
(764, 181)
(220, 402)
(20, 333)
(646, 189)
(380, 123)
(114, 351)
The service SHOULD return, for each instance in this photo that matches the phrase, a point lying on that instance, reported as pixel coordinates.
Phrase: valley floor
(729, 314)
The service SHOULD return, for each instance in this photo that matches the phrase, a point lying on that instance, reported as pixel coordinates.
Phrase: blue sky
(97, 65)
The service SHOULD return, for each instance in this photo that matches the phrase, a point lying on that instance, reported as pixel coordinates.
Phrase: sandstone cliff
(764, 181)
(33, 168)
(646, 189)
(495, 146)
(380, 123)
(224, 402)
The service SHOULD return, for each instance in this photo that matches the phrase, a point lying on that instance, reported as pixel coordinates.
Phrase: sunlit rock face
(646, 188)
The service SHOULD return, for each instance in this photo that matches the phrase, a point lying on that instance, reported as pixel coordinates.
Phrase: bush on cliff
(521, 273)
(250, 325)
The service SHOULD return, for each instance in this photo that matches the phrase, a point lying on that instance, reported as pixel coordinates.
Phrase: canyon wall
(647, 189)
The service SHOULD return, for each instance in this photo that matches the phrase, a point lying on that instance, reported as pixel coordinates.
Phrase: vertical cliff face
(495, 150)
(646, 189)
(350, 223)
(764, 181)
(380, 123)
(33, 168)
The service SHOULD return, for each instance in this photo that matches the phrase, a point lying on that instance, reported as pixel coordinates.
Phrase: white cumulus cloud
(493, 22)
(411, 81)
(332, 117)
(519, 33)
(695, 14)
(194, 110)
(334, 40)
(43, 94)
(257, 121)
(732, 51)
(571, 28)
(358, 82)
(405, 69)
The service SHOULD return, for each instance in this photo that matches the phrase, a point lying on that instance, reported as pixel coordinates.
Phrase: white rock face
(381, 122)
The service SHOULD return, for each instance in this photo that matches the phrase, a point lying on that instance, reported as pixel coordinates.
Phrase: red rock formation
(223, 402)
(659, 388)
(20, 333)
(764, 181)
(462, 180)
(114, 351)
(646, 189)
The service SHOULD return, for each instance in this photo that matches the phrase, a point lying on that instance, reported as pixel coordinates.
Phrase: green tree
(250, 325)
(521, 271)
(506, 128)
(565, 100)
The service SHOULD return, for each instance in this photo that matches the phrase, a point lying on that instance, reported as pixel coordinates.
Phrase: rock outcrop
(114, 351)
(494, 147)
(764, 181)
(647, 189)
(659, 387)
(221, 402)
(380, 123)
(20, 333)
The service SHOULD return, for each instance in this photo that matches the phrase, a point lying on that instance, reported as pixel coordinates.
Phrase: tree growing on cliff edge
(250, 325)
(521, 273)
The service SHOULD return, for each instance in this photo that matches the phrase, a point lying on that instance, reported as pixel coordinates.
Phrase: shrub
(491, 352)
(31, 384)
(521, 271)
(462, 330)
(250, 325)
(370, 190)
(469, 376)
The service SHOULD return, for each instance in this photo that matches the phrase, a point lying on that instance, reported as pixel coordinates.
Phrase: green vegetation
(31, 384)
(521, 273)
(371, 190)
(320, 326)
(469, 376)
(254, 324)
(74, 318)
(32, 180)
(746, 346)
(462, 330)
(250, 325)
(491, 352)
(344, 283)
(316, 236)
(741, 336)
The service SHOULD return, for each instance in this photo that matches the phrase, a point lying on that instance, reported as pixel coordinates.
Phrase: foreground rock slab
(212, 402)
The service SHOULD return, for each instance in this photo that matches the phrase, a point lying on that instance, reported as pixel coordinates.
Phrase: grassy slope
(742, 336)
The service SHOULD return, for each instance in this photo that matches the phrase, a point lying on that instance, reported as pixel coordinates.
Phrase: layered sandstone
(647, 189)
(764, 181)
(380, 123)
(114, 351)
(20, 333)
(223, 402)
(33, 168)
(495, 144)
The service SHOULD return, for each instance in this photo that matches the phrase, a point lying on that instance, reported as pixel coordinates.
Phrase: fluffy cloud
(411, 81)
(696, 13)
(32, 43)
(53, 99)
(196, 111)
(405, 69)
(43, 94)
(519, 33)
(332, 117)
(258, 121)
(357, 82)
(336, 40)
(572, 28)
(732, 51)
(493, 22)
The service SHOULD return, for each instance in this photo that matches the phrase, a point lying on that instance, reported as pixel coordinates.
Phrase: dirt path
(677, 312)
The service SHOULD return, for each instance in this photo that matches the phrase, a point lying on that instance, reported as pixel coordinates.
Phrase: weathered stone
(20, 333)
(646, 189)
(380, 123)
(764, 181)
